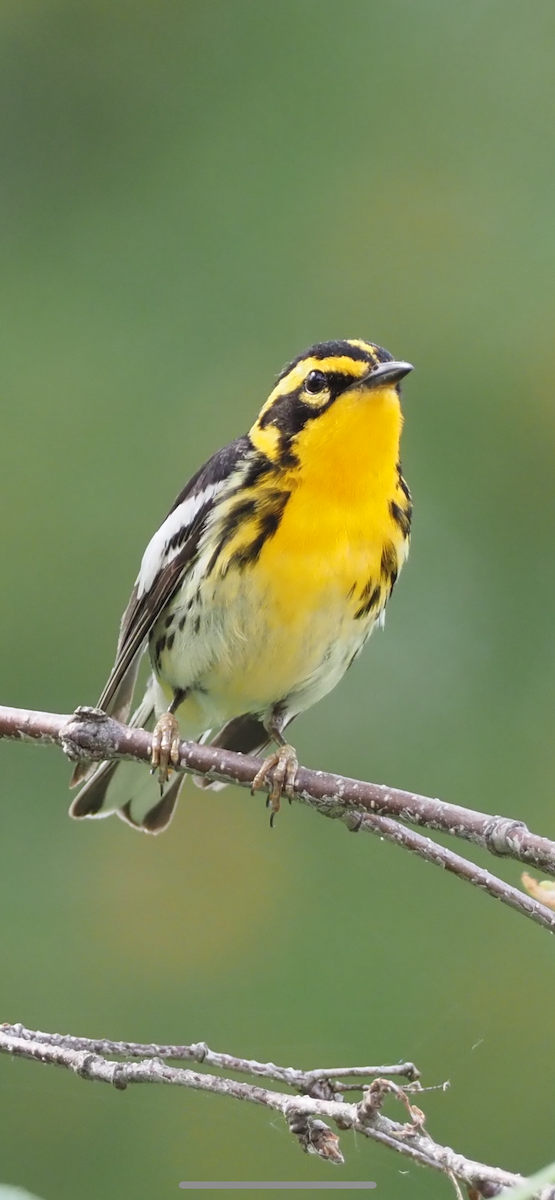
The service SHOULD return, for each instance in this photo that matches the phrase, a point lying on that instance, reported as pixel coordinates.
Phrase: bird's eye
(315, 382)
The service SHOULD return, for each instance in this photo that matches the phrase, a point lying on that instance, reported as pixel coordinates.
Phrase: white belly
(236, 650)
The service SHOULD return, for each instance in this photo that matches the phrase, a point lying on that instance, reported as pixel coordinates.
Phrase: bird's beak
(385, 373)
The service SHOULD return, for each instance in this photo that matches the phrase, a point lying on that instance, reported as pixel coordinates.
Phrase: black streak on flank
(238, 513)
(401, 518)
(170, 641)
(269, 516)
(182, 623)
(403, 483)
(371, 597)
(389, 565)
(159, 648)
(367, 590)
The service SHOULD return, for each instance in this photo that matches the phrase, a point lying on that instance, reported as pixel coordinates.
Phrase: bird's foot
(283, 764)
(164, 752)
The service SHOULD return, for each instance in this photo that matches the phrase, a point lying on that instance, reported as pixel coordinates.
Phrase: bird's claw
(164, 747)
(283, 764)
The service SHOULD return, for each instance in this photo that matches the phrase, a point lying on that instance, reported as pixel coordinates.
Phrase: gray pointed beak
(386, 373)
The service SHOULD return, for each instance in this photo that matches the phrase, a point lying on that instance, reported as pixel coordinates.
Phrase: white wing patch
(158, 553)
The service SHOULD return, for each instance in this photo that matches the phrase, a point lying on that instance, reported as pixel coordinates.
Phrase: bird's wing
(164, 563)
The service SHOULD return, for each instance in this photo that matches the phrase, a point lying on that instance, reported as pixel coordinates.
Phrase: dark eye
(315, 382)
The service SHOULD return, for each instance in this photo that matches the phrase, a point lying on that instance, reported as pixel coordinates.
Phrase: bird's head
(337, 381)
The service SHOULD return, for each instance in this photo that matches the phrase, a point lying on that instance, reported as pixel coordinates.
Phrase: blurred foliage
(192, 193)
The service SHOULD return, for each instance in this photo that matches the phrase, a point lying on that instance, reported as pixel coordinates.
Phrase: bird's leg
(283, 764)
(165, 742)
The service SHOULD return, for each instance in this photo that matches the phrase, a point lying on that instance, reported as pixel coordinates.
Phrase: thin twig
(90, 733)
(456, 1187)
(199, 1052)
(424, 847)
(305, 1115)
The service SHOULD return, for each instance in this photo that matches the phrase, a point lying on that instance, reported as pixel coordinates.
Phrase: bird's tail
(127, 788)
(245, 735)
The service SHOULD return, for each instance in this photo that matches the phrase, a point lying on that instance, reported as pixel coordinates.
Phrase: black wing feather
(142, 613)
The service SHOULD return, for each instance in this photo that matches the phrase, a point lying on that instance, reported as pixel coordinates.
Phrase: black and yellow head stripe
(342, 362)
(355, 349)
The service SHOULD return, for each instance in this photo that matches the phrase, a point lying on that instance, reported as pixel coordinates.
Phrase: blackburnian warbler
(265, 580)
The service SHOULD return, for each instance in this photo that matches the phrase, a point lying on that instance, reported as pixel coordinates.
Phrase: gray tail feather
(128, 789)
(154, 820)
(119, 709)
(245, 735)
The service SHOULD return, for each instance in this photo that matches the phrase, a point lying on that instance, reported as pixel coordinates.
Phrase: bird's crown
(326, 369)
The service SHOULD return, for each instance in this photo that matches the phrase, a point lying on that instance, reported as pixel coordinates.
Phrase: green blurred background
(191, 194)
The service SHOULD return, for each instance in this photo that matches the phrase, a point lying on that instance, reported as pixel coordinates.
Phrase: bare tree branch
(306, 1114)
(199, 1052)
(89, 733)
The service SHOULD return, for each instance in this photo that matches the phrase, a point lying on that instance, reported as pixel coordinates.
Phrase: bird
(262, 585)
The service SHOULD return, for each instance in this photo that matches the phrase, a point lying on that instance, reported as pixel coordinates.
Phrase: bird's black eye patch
(315, 382)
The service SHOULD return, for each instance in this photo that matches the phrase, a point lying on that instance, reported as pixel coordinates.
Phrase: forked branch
(318, 1099)
(317, 1096)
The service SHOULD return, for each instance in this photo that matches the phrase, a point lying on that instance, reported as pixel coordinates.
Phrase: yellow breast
(286, 621)
(339, 519)
(324, 576)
